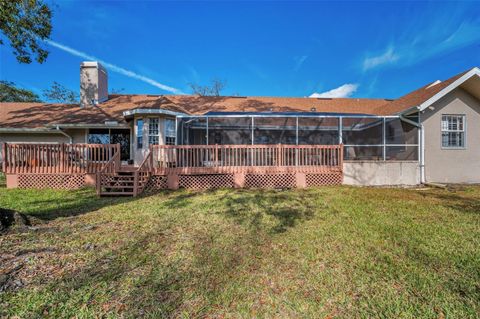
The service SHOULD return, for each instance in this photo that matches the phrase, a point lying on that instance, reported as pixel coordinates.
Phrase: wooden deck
(172, 167)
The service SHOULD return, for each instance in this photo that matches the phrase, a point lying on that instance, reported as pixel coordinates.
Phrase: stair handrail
(145, 167)
(110, 167)
(147, 163)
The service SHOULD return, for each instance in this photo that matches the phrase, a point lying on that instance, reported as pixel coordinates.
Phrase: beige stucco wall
(380, 173)
(452, 165)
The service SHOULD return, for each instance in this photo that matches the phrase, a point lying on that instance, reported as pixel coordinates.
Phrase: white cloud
(388, 57)
(345, 90)
(114, 68)
(426, 35)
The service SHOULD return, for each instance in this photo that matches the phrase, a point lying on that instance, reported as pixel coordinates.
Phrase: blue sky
(358, 49)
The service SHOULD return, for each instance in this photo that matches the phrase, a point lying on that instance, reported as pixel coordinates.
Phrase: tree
(60, 94)
(10, 93)
(25, 23)
(209, 90)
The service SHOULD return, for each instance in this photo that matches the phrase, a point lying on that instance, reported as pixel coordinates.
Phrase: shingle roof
(36, 115)
(416, 97)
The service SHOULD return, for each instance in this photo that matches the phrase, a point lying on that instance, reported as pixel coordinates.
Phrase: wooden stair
(123, 183)
(117, 180)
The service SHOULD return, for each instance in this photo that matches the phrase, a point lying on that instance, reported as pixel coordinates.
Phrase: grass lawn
(330, 252)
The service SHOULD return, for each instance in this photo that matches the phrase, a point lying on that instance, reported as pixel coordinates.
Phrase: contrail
(114, 67)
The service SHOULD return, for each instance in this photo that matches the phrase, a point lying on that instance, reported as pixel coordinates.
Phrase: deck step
(123, 182)
(116, 193)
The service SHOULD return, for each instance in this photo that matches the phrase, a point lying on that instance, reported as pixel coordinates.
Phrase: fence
(245, 158)
(56, 158)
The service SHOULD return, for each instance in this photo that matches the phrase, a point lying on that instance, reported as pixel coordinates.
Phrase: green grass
(327, 252)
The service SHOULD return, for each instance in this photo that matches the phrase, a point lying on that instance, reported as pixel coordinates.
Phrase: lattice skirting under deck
(55, 181)
(206, 181)
(270, 181)
(155, 183)
(322, 179)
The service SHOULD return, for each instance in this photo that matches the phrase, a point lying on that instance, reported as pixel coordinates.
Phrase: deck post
(62, 157)
(98, 182)
(239, 180)
(172, 181)
(135, 183)
(4, 157)
(301, 180)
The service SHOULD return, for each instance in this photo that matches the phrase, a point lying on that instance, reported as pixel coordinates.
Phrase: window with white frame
(153, 131)
(139, 133)
(170, 134)
(453, 131)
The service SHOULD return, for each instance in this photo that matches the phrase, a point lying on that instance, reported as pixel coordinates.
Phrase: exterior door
(122, 137)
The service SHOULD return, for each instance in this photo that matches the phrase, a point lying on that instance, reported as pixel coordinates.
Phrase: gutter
(403, 118)
(78, 126)
(151, 111)
(27, 130)
(65, 134)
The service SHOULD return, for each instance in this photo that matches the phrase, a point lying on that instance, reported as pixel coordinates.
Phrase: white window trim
(136, 133)
(464, 119)
(148, 131)
(165, 135)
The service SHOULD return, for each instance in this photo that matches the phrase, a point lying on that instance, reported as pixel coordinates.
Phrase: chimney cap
(93, 64)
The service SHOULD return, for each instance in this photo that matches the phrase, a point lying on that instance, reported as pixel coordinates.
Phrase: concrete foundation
(380, 173)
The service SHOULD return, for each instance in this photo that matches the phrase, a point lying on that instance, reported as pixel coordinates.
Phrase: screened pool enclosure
(365, 137)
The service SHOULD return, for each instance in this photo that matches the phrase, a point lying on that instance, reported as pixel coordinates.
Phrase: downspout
(421, 139)
(64, 134)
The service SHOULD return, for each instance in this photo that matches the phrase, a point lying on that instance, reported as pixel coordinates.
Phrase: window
(153, 131)
(170, 134)
(453, 131)
(99, 136)
(139, 133)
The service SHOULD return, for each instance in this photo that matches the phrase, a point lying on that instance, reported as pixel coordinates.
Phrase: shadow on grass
(189, 283)
(47, 205)
(456, 201)
(287, 207)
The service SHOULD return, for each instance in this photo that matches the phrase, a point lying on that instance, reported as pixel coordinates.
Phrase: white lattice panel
(206, 181)
(55, 181)
(270, 181)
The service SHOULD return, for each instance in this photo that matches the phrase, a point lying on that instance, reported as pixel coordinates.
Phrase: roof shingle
(37, 115)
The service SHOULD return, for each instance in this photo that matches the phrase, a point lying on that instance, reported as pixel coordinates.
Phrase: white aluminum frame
(384, 143)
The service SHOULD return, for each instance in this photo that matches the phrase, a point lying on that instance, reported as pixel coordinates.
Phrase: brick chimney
(93, 84)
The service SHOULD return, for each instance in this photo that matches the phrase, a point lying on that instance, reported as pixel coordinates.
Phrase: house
(428, 135)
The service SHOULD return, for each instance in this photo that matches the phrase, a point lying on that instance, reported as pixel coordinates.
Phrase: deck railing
(57, 158)
(240, 158)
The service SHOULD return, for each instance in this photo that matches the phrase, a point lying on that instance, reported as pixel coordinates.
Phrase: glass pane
(192, 131)
(275, 130)
(153, 130)
(139, 133)
(362, 131)
(359, 153)
(318, 131)
(453, 139)
(400, 132)
(121, 137)
(98, 136)
(170, 128)
(402, 153)
(230, 130)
